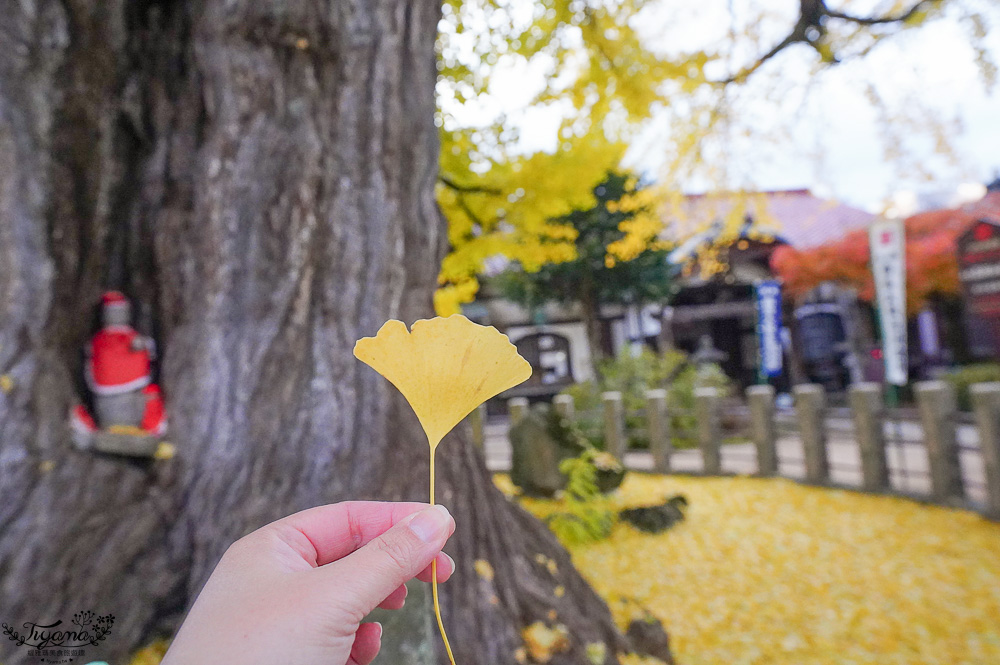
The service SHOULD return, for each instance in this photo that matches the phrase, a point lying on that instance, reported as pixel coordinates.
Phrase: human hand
(295, 591)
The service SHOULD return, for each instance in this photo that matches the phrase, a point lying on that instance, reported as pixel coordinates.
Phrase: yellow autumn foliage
(598, 73)
(769, 571)
(593, 73)
(543, 642)
(445, 367)
(484, 569)
(151, 654)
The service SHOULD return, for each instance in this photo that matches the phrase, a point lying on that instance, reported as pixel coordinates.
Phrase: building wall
(580, 362)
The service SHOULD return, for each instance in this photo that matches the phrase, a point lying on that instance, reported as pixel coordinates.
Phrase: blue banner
(769, 327)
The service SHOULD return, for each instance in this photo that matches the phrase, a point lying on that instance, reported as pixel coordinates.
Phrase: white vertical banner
(888, 251)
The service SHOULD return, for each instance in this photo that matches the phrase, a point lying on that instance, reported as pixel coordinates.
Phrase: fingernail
(454, 566)
(430, 523)
(446, 512)
(379, 624)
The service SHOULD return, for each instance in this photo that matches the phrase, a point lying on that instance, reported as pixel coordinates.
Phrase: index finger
(328, 533)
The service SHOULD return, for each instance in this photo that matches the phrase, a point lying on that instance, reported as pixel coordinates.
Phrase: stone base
(131, 445)
(409, 635)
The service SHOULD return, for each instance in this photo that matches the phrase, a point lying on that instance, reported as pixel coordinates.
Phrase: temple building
(713, 302)
(721, 264)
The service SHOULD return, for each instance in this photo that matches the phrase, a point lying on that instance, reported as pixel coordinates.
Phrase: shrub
(963, 377)
(632, 376)
(587, 517)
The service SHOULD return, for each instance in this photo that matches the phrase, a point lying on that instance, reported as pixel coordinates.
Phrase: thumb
(367, 576)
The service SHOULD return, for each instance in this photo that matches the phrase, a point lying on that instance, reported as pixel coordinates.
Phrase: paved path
(908, 466)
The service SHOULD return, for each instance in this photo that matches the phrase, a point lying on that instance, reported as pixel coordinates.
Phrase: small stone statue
(707, 353)
(119, 375)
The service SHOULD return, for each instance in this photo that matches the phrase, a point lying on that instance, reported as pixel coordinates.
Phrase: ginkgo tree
(260, 177)
(600, 67)
(618, 259)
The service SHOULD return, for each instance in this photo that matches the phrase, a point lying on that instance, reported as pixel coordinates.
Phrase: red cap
(113, 298)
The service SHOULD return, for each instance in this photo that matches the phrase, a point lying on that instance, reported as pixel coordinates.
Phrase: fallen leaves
(483, 569)
(769, 571)
(151, 654)
(543, 642)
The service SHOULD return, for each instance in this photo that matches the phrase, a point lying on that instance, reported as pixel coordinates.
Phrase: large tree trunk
(259, 175)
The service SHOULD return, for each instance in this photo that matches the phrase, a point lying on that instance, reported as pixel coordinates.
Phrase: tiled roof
(987, 207)
(795, 216)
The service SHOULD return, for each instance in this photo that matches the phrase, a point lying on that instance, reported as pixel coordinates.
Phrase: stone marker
(614, 424)
(986, 403)
(937, 405)
(760, 400)
(810, 406)
(706, 407)
(536, 453)
(868, 410)
(658, 426)
(517, 407)
(409, 635)
(564, 405)
(477, 422)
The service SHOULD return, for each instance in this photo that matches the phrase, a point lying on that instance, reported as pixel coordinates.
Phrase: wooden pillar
(810, 406)
(564, 406)
(614, 424)
(477, 421)
(986, 403)
(658, 427)
(706, 406)
(517, 407)
(760, 399)
(937, 405)
(868, 410)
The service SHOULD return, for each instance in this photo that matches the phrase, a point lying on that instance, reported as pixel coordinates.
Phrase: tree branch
(467, 189)
(809, 29)
(880, 20)
(745, 73)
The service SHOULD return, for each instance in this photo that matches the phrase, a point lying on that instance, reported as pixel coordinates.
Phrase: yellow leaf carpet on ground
(769, 571)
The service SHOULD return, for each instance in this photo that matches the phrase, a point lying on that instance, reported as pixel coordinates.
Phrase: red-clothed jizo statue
(119, 369)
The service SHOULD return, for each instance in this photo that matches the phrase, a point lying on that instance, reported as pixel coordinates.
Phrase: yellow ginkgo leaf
(483, 569)
(543, 642)
(445, 367)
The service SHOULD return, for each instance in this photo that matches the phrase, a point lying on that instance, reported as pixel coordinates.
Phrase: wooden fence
(933, 453)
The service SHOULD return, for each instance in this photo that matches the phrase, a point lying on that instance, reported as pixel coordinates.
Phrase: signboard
(889, 270)
(979, 268)
(769, 327)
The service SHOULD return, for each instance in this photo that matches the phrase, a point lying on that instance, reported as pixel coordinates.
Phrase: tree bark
(591, 311)
(259, 176)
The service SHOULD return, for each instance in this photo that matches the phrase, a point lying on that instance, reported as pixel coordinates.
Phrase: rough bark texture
(259, 175)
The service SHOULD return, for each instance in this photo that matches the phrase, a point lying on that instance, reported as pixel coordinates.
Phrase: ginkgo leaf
(445, 367)
(770, 560)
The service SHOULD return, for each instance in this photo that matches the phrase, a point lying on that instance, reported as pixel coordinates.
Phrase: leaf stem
(434, 581)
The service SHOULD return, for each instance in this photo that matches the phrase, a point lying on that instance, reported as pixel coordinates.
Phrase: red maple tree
(931, 259)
